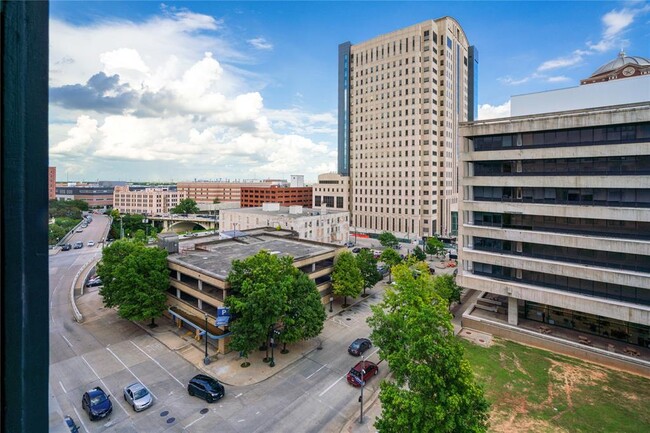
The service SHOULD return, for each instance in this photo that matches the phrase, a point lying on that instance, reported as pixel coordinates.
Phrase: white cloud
(617, 21)
(560, 63)
(261, 43)
(487, 111)
(558, 79)
(79, 137)
(189, 114)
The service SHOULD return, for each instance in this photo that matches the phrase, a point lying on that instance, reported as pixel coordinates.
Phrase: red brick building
(285, 195)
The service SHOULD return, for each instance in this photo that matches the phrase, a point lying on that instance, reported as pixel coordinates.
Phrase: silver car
(138, 396)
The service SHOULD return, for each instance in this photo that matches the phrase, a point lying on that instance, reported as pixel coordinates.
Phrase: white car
(138, 396)
(91, 243)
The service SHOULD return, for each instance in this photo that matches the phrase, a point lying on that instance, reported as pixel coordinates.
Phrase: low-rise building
(256, 196)
(147, 201)
(333, 190)
(95, 196)
(314, 224)
(198, 283)
(222, 191)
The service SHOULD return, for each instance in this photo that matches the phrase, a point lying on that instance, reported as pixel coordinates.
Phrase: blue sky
(151, 91)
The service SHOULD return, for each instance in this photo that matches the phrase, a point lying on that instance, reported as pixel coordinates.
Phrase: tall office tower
(555, 210)
(401, 97)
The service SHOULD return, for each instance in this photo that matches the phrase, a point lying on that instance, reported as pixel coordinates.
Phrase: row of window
(583, 226)
(329, 201)
(566, 137)
(387, 223)
(614, 197)
(599, 289)
(612, 165)
(607, 259)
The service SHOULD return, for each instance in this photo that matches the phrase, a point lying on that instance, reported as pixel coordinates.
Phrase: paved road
(311, 395)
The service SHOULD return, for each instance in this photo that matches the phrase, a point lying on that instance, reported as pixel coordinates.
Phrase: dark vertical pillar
(345, 60)
(472, 85)
(24, 285)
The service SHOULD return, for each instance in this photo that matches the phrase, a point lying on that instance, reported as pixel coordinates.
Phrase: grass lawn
(532, 390)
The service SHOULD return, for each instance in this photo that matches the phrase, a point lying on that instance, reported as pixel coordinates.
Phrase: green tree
(187, 205)
(445, 285)
(388, 240)
(259, 286)
(419, 254)
(346, 277)
(367, 264)
(432, 388)
(434, 246)
(135, 280)
(391, 258)
(304, 314)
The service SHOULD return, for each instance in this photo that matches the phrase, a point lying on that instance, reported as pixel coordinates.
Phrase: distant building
(285, 195)
(51, 183)
(317, 224)
(209, 191)
(146, 201)
(95, 196)
(623, 66)
(555, 210)
(198, 283)
(333, 190)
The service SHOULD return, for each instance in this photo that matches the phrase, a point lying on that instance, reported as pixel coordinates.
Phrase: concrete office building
(198, 283)
(146, 201)
(96, 196)
(317, 224)
(555, 211)
(333, 190)
(401, 98)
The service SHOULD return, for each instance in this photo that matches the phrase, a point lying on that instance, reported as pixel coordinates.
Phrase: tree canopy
(434, 246)
(388, 240)
(346, 277)
(135, 279)
(445, 285)
(432, 388)
(391, 258)
(268, 291)
(367, 265)
(187, 205)
(419, 254)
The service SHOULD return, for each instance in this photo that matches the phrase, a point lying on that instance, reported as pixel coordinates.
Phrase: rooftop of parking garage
(215, 258)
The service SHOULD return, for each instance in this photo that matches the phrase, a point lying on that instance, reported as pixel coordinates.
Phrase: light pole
(146, 228)
(363, 382)
(272, 362)
(331, 301)
(121, 228)
(206, 359)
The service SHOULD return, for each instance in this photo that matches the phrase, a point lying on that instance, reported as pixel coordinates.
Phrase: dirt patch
(512, 363)
(569, 376)
(512, 415)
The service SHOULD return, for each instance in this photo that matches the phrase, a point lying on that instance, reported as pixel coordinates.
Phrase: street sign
(223, 316)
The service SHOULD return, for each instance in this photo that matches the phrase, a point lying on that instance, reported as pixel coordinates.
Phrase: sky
(177, 91)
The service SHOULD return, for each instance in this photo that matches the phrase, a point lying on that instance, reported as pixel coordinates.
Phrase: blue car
(97, 403)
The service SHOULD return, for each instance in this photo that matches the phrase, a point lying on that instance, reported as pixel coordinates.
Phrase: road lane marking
(79, 418)
(196, 420)
(239, 395)
(373, 352)
(241, 420)
(137, 378)
(309, 377)
(105, 386)
(66, 340)
(331, 386)
(63, 387)
(158, 364)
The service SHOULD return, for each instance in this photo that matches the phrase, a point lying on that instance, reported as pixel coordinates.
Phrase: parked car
(78, 245)
(359, 346)
(349, 244)
(79, 231)
(94, 282)
(74, 428)
(376, 253)
(91, 243)
(66, 247)
(97, 403)
(138, 396)
(356, 250)
(206, 387)
(361, 372)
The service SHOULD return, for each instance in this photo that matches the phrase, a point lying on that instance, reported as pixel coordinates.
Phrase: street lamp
(121, 228)
(146, 228)
(363, 382)
(206, 359)
(331, 301)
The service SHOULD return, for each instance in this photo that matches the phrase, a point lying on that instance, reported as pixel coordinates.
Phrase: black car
(78, 245)
(206, 388)
(66, 247)
(359, 346)
(356, 250)
(74, 428)
(94, 282)
(97, 403)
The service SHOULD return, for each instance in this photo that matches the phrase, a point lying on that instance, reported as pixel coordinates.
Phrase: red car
(361, 372)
